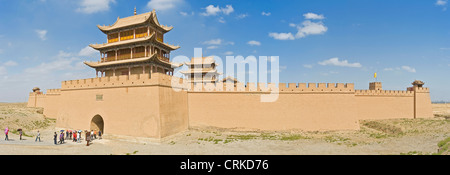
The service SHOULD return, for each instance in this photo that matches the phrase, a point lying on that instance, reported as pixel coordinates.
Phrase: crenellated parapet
(316, 87)
(122, 81)
(384, 93)
(422, 89)
(53, 91)
(271, 87)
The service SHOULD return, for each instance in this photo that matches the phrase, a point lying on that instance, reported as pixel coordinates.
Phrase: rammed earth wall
(146, 105)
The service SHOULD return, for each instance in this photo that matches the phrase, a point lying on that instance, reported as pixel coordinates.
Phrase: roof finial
(134, 10)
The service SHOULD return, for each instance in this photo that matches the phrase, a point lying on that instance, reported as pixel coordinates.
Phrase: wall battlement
(422, 89)
(268, 87)
(119, 81)
(383, 93)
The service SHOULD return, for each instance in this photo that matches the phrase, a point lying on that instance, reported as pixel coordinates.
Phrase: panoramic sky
(44, 42)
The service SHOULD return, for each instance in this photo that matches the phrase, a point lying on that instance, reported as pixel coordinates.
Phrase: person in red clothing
(74, 136)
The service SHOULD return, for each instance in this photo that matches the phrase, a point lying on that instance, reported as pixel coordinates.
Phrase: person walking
(6, 134)
(61, 135)
(92, 134)
(88, 137)
(54, 138)
(74, 136)
(38, 136)
(20, 134)
(78, 137)
(99, 134)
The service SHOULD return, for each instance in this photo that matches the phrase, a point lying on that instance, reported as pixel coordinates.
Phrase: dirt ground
(395, 136)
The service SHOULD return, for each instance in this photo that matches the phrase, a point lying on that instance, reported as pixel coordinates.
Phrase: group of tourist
(38, 135)
(74, 135)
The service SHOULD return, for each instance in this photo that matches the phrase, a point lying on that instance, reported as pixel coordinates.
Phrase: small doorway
(97, 123)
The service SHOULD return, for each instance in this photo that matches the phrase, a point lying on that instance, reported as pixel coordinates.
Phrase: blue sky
(44, 42)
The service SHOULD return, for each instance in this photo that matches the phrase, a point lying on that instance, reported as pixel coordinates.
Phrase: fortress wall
(130, 105)
(132, 111)
(52, 101)
(173, 107)
(384, 104)
(422, 103)
(299, 107)
(146, 105)
(268, 87)
(36, 100)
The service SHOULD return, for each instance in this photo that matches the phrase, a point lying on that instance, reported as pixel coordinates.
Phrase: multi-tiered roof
(134, 43)
(201, 69)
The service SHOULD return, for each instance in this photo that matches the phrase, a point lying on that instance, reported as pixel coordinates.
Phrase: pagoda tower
(135, 45)
(201, 70)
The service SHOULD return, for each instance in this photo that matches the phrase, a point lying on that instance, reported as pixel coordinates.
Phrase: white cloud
(228, 9)
(335, 62)
(217, 41)
(162, 5)
(212, 10)
(62, 62)
(186, 14)
(313, 16)
(282, 36)
(88, 52)
(62, 54)
(94, 6)
(183, 13)
(10, 63)
(304, 29)
(441, 2)
(404, 68)
(242, 16)
(222, 20)
(266, 13)
(3, 70)
(254, 43)
(212, 47)
(310, 28)
(230, 43)
(228, 53)
(309, 66)
(409, 69)
(42, 34)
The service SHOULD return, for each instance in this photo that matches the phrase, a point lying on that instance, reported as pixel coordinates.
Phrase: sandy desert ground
(396, 136)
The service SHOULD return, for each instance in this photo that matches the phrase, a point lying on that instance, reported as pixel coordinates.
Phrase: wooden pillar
(132, 52)
(143, 69)
(96, 73)
(116, 54)
(114, 72)
(129, 70)
(119, 35)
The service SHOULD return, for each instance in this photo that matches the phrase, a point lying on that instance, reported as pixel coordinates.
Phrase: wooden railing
(163, 58)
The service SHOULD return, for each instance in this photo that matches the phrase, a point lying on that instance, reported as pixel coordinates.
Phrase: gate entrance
(97, 123)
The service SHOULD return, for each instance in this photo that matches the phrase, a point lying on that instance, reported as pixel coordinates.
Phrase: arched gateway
(97, 123)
